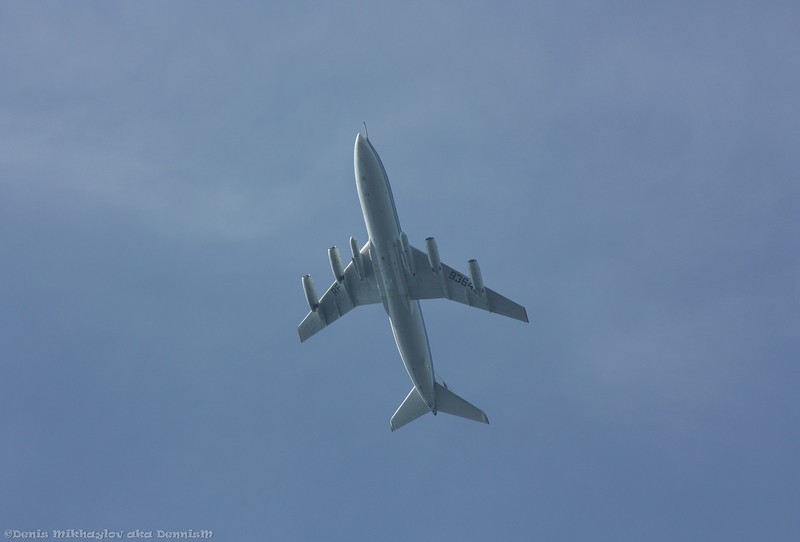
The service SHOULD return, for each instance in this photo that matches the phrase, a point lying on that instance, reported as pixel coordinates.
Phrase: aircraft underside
(389, 271)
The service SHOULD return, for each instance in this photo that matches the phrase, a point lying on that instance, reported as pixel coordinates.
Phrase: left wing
(445, 282)
(343, 296)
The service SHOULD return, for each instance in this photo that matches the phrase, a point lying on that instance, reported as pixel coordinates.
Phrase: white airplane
(388, 270)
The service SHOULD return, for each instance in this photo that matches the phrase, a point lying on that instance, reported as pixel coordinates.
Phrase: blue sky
(628, 171)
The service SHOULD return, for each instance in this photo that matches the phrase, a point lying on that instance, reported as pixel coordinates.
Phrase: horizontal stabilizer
(449, 402)
(412, 408)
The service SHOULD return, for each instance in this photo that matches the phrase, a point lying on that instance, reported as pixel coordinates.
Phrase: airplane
(389, 271)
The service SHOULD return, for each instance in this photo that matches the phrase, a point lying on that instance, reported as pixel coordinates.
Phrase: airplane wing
(450, 284)
(342, 297)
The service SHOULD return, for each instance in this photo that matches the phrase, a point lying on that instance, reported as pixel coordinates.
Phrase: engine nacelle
(311, 292)
(408, 256)
(336, 264)
(358, 260)
(433, 255)
(475, 275)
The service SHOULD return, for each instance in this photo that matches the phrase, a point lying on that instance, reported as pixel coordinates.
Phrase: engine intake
(477, 278)
(358, 260)
(336, 264)
(433, 255)
(311, 292)
(408, 255)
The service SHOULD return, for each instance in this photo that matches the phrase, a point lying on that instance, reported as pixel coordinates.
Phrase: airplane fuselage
(383, 227)
(387, 270)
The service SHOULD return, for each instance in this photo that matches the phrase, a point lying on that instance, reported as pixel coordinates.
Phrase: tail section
(412, 408)
(446, 401)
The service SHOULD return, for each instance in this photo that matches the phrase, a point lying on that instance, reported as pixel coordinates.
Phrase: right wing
(342, 297)
(447, 283)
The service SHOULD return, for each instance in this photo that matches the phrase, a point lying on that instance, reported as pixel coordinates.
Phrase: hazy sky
(629, 171)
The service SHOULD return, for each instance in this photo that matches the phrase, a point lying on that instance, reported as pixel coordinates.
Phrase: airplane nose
(361, 144)
(363, 152)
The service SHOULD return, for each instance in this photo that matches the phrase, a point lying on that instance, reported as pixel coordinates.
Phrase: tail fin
(412, 408)
(447, 401)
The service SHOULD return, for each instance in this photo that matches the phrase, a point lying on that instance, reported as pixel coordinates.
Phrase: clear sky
(629, 171)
